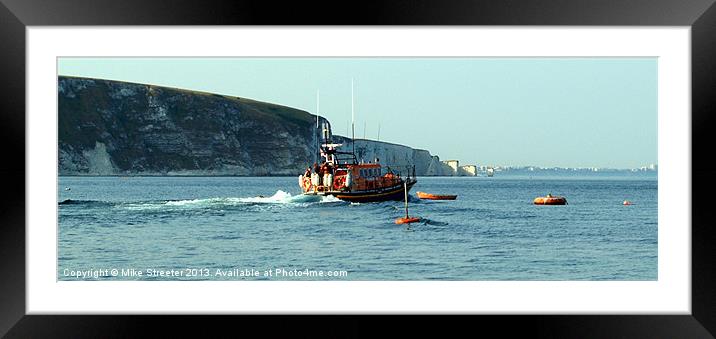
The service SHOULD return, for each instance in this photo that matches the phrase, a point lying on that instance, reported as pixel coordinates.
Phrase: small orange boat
(550, 200)
(423, 195)
(407, 220)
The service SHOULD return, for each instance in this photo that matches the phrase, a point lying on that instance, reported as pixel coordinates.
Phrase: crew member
(321, 172)
(307, 178)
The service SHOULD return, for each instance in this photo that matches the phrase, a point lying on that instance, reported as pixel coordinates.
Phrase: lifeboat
(342, 176)
(550, 200)
(428, 196)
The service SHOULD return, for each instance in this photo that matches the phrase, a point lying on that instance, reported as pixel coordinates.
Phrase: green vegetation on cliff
(144, 129)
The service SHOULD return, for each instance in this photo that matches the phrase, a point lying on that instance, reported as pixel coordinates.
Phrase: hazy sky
(567, 112)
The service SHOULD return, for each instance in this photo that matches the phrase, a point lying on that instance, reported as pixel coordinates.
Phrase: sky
(546, 112)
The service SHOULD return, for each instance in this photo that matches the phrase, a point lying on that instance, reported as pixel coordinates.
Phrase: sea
(262, 228)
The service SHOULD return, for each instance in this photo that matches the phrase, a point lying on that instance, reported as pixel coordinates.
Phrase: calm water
(218, 228)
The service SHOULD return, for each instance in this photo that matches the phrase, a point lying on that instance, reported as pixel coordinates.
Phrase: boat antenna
(378, 131)
(353, 120)
(318, 130)
(407, 220)
(405, 183)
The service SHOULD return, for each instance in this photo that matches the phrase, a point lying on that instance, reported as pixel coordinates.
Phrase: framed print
(161, 167)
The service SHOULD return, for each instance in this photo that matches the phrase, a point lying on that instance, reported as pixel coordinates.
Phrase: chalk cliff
(118, 128)
(396, 155)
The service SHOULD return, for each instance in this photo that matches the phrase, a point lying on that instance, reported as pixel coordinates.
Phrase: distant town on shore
(481, 170)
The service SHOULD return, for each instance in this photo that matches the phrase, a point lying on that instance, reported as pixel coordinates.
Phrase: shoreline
(510, 176)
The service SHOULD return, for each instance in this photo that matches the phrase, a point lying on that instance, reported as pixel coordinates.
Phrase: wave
(427, 221)
(74, 202)
(280, 197)
(84, 202)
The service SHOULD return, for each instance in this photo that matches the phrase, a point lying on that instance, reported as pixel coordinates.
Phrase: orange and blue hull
(392, 193)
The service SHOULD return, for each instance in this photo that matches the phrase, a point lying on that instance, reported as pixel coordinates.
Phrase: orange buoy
(550, 200)
(627, 203)
(407, 220)
(429, 196)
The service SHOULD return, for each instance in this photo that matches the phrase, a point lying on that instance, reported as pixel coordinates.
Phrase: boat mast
(318, 130)
(406, 198)
(353, 121)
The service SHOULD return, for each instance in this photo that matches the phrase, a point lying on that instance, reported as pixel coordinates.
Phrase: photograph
(533, 170)
(357, 168)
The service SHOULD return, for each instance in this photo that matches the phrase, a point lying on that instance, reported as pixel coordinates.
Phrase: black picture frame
(16, 15)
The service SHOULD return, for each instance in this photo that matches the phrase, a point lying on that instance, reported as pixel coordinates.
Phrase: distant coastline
(115, 128)
(539, 174)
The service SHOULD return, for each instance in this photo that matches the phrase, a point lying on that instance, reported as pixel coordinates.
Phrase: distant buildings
(453, 168)
(649, 168)
(606, 170)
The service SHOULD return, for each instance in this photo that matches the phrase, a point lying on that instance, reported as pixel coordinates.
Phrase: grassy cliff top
(285, 112)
